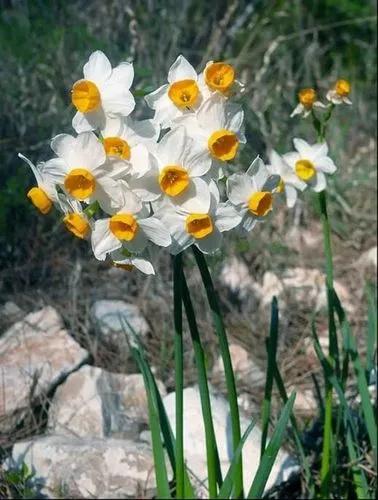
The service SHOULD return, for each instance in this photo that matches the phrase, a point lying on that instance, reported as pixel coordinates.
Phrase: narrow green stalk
(179, 375)
(213, 465)
(325, 471)
(271, 345)
(227, 364)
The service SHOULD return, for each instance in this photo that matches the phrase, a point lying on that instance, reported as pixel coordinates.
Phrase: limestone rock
(95, 403)
(35, 354)
(116, 320)
(235, 275)
(243, 365)
(368, 258)
(88, 468)
(194, 439)
(10, 312)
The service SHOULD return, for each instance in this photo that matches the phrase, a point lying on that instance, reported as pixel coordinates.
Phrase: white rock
(305, 402)
(116, 320)
(244, 367)
(306, 286)
(235, 275)
(95, 403)
(35, 354)
(10, 312)
(89, 468)
(194, 440)
(368, 258)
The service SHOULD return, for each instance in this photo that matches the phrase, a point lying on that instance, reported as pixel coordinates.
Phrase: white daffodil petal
(64, 146)
(143, 131)
(147, 187)
(86, 122)
(108, 193)
(155, 231)
(211, 243)
(326, 164)
(291, 195)
(303, 148)
(211, 113)
(173, 147)
(103, 240)
(143, 265)
(239, 188)
(98, 68)
(227, 217)
(55, 170)
(196, 198)
(138, 243)
(140, 160)
(320, 182)
(197, 162)
(249, 222)
(123, 74)
(34, 169)
(88, 152)
(117, 99)
(181, 69)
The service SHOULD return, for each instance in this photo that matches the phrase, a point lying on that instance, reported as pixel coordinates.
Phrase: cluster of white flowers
(128, 185)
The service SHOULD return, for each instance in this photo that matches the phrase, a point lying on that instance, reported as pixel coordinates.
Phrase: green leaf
(271, 451)
(231, 478)
(272, 349)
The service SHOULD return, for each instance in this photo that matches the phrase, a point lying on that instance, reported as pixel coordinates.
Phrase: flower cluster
(127, 185)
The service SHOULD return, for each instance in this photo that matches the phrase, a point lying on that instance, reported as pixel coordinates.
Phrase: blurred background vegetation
(277, 46)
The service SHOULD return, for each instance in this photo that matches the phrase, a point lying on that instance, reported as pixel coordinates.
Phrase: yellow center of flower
(124, 226)
(281, 186)
(223, 144)
(115, 146)
(260, 203)
(305, 170)
(173, 180)
(125, 267)
(80, 183)
(184, 93)
(77, 224)
(40, 200)
(342, 88)
(219, 76)
(307, 97)
(85, 96)
(199, 225)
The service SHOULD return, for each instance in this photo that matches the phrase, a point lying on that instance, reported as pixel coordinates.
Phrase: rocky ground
(73, 407)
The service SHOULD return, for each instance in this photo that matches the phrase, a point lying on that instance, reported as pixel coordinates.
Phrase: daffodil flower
(219, 77)
(130, 227)
(289, 183)
(127, 142)
(307, 100)
(44, 194)
(102, 92)
(252, 193)
(339, 94)
(179, 96)
(218, 128)
(311, 163)
(80, 170)
(123, 259)
(175, 173)
(75, 219)
(202, 227)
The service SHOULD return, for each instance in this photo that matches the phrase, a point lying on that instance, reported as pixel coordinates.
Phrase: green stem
(213, 465)
(179, 375)
(227, 364)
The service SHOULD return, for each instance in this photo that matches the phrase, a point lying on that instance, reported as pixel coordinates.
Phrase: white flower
(130, 227)
(44, 195)
(123, 259)
(126, 143)
(75, 219)
(340, 93)
(218, 128)
(202, 227)
(180, 95)
(251, 193)
(219, 77)
(307, 101)
(311, 163)
(175, 173)
(80, 170)
(103, 92)
(289, 181)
